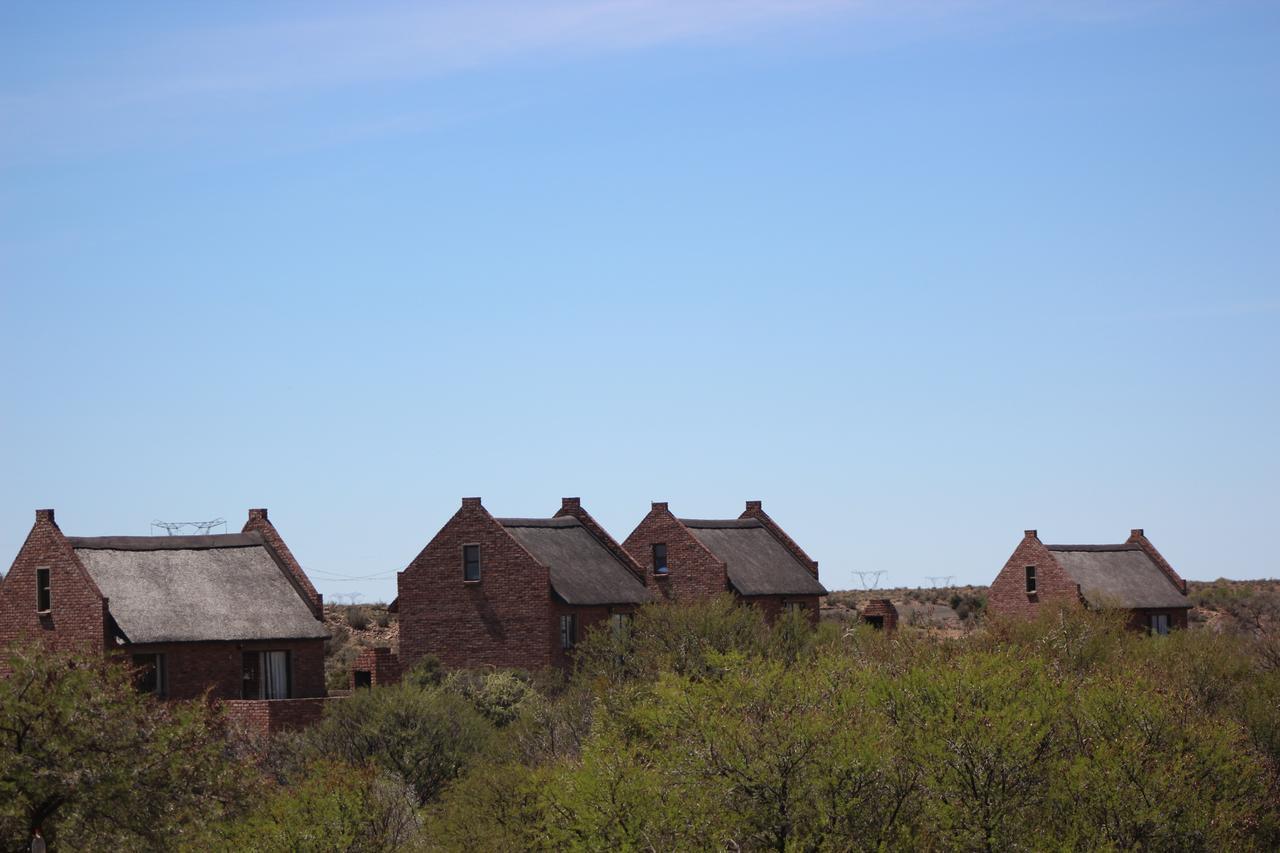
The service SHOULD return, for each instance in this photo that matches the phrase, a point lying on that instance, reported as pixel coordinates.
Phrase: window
(44, 593)
(266, 675)
(149, 674)
(660, 559)
(1160, 624)
(621, 623)
(471, 563)
(793, 606)
(568, 631)
(1031, 580)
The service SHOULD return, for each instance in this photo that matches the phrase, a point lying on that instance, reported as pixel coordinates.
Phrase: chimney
(470, 503)
(755, 506)
(44, 515)
(660, 506)
(259, 514)
(571, 503)
(1136, 533)
(1031, 533)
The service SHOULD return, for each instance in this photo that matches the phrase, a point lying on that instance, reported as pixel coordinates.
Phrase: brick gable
(1008, 594)
(695, 573)
(504, 620)
(78, 618)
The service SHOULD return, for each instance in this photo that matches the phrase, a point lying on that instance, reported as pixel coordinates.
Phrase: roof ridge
(1122, 546)
(722, 522)
(562, 521)
(167, 543)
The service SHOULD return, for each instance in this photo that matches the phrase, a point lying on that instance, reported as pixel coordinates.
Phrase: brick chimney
(755, 506)
(470, 503)
(44, 515)
(570, 504)
(660, 506)
(259, 514)
(1030, 534)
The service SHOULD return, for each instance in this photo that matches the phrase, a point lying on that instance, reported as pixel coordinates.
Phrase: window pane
(568, 631)
(250, 687)
(471, 562)
(660, 558)
(44, 598)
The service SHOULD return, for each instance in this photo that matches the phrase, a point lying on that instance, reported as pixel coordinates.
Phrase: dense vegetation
(701, 728)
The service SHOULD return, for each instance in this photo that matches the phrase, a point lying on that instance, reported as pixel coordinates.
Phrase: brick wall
(505, 620)
(382, 665)
(1008, 594)
(883, 610)
(77, 619)
(695, 573)
(193, 668)
(588, 619)
(772, 605)
(266, 716)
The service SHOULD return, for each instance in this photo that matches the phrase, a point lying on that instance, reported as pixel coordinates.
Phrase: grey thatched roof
(1118, 576)
(582, 570)
(758, 564)
(165, 589)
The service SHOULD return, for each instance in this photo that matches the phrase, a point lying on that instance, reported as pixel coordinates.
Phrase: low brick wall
(273, 715)
(882, 613)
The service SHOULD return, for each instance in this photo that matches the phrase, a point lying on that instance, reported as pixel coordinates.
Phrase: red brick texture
(77, 619)
(772, 606)
(258, 521)
(381, 664)
(509, 619)
(1008, 594)
(695, 573)
(193, 668)
(502, 620)
(882, 610)
(266, 716)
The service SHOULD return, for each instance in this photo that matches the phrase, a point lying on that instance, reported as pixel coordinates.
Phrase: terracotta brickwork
(1140, 619)
(772, 606)
(695, 573)
(77, 619)
(269, 716)
(1008, 595)
(193, 668)
(503, 620)
(259, 522)
(380, 664)
(881, 613)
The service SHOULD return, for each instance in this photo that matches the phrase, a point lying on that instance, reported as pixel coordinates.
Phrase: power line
(172, 527)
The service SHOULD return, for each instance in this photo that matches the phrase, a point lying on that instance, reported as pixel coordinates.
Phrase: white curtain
(275, 675)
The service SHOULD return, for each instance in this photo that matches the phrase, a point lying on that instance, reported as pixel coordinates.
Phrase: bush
(359, 617)
(498, 695)
(425, 736)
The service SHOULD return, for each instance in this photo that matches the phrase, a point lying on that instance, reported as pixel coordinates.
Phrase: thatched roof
(1118, 576)
(582, 569)
(758, 564)
(164, 589)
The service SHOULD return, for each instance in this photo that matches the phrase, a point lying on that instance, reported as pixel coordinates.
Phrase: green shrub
(359, 617)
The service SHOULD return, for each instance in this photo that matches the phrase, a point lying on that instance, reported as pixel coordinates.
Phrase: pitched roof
(1118, 576)
(583, 571)
(164, 589)
(758, 564)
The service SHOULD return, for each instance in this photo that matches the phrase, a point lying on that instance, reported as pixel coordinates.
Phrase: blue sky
(918, 275)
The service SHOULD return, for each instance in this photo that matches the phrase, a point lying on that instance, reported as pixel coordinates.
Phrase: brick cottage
(686, 559)
(1131, 576)
(512, 592)
(232, 616)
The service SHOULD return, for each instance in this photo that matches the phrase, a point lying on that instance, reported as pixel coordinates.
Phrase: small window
(621, 623)
(44, 592)
(471, 563)
(793, 606)
(266, 675)
(1160, 624)
(1031, 580)
(149, 674)
(568, 631)
(660, 559)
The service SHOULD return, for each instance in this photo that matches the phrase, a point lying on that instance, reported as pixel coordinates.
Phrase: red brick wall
(884, 609)
(588, 619)
(1140, 620)
(259, 522)
(505, 620)
(772, 605)
(266, 716)
(1008, 595)
(192, 668)
(695, 572)
(78, 616)
(382, 665)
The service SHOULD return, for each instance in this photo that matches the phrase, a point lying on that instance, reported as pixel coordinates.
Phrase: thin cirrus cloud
(139, 81)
